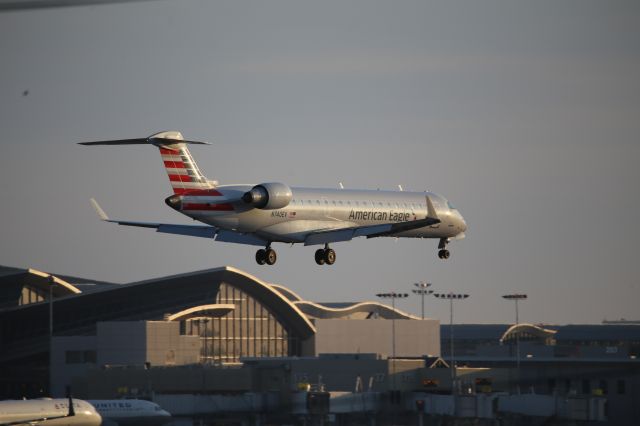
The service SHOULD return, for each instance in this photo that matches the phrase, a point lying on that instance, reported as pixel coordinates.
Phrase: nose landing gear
(266, 255)
(325, 255)
(443, 253)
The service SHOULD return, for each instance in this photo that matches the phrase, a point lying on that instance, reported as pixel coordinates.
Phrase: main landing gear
(443, 253)
(325, 255)
(266, 255)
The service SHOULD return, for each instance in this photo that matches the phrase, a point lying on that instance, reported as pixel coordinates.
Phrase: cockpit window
(451, 206)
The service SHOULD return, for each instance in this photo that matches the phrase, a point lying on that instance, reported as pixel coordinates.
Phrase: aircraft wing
(372, 231)
(203, 231)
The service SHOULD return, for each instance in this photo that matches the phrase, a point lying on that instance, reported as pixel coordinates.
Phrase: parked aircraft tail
(184, 174)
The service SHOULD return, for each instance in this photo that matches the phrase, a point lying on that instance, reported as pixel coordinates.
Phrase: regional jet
(270, 212)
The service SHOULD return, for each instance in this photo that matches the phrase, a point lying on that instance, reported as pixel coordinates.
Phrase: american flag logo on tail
(182, 170)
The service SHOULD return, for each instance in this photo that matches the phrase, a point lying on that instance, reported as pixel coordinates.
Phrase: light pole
(51, 282)
(451, 297)
(516, 298)
(423, 290)
(393, 296)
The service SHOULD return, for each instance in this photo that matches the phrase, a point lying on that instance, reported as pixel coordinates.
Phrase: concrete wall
(62, 371)
(413, 338)
(116, 382)
(165, 345)
(340, 372)
(137, 342)
(121, 343)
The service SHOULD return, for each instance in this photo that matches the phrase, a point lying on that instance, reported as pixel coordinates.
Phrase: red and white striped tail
(183, 172)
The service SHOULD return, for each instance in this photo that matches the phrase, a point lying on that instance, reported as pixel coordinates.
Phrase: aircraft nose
(463, 224)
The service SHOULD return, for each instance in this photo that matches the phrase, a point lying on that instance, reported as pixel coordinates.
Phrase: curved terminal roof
(203, 311)
(529, 329)
(321, 311)
(288, 293)
(14, 280)
(264, 292)
(22, 327)
(42, 280)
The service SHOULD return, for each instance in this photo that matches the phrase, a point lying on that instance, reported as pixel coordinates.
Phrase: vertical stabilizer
(182, 170)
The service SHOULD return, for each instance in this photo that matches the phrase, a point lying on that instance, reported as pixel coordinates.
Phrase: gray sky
(526, 115)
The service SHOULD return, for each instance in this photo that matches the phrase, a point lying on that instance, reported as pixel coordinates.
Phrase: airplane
(130, 412)
(265, 213)
(52, 412)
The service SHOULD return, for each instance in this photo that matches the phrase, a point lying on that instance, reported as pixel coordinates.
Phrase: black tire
(320, 257)
(330, 256)
(446, 254)
(261, 256)
(270, 256)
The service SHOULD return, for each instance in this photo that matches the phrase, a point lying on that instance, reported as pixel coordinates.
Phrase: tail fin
(184, 174)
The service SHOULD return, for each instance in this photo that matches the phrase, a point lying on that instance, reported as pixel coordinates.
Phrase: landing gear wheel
(444, 254)
(320, 260)
(261, 256)
(270, 256)
(329, 256)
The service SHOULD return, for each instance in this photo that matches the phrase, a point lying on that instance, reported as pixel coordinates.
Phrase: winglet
(72, 411)
(98, 209)
(431, 211)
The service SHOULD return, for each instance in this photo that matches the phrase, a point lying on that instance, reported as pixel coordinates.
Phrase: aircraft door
(324, 206)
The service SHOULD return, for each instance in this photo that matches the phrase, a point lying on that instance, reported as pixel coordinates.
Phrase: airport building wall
(145, 342)
(71, 356)
(413, 338)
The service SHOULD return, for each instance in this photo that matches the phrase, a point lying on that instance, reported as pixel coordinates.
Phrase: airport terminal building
(215, 317)
(223, 344)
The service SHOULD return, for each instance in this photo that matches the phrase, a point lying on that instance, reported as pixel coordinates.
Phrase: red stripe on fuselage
(208, 207)
(191, 191)
(174, 164)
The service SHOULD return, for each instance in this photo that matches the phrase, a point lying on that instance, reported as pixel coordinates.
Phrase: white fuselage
(274, 212)
(135, 412)
(51, 412)
(312, 209)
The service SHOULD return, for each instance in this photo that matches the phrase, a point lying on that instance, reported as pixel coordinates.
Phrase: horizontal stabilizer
(144, 141)
(158, 139)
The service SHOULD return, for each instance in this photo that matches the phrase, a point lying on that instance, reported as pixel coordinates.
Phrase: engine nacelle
(268, 196)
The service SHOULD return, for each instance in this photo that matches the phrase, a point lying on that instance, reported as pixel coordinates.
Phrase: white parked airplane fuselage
(130, 412)
(49, 412)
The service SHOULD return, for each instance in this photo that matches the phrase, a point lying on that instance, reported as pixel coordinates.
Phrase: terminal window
(80, 357)
(622, 388)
